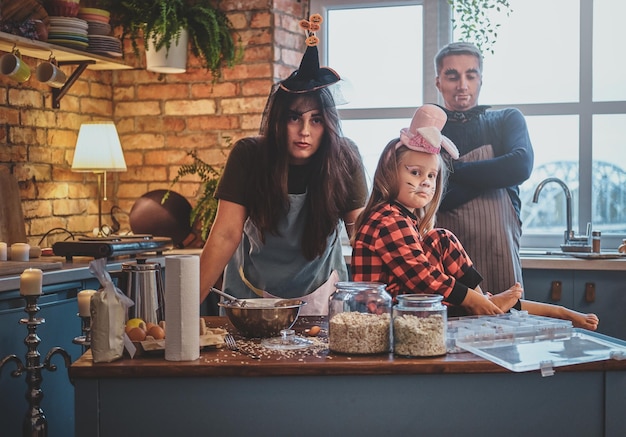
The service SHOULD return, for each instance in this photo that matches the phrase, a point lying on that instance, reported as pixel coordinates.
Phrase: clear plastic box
(522, 342)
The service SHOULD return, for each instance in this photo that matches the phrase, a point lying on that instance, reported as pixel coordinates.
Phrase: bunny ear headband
(424, 134)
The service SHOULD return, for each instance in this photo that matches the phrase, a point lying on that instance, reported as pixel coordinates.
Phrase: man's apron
(490, 230)
(278, 268)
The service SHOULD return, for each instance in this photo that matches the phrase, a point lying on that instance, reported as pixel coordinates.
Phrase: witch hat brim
(310, 76)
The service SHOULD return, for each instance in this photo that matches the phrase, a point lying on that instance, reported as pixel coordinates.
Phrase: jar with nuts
(359, 318)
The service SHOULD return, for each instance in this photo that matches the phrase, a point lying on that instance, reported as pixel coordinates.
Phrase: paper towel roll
(182, 307)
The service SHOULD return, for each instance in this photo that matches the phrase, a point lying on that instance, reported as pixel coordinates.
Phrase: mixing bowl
(260, 318)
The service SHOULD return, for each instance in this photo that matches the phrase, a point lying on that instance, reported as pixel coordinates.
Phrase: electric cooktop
(112, 246)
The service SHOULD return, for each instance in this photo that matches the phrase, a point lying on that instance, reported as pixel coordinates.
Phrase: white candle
(3, 251)
(20, 251)
(30, 282)
(84, 302)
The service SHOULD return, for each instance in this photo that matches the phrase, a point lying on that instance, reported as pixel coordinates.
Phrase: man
(482, 205)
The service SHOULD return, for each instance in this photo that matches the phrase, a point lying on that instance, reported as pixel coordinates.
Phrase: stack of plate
(68, 32)
(105, 45)
(99, 32)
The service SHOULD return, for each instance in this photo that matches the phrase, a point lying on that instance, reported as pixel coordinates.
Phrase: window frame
(438, 31)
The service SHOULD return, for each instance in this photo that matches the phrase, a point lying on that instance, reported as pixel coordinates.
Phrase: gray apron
(490, 230)
(278, 268)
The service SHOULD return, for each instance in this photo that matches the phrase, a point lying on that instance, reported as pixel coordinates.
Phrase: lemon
(135, 323)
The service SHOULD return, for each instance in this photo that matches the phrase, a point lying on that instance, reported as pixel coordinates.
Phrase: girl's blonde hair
(385, 188)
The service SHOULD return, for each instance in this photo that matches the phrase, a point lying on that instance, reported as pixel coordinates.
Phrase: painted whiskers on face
(417, 176)
(419, 190)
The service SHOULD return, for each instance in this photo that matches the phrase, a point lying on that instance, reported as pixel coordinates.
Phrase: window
(379, 48)
(565, 79)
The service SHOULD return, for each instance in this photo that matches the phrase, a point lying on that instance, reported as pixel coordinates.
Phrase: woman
(395, 242)
(284, 195)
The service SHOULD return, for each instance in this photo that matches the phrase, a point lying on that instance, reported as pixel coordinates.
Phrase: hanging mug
(50, 74)
(12, 65)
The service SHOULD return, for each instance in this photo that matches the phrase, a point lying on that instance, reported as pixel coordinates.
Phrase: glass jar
(419, 325)
(359, 318)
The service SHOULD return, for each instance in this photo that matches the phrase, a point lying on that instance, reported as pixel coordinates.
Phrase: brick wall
(159, 119)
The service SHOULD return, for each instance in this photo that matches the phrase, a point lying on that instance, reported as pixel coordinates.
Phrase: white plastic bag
(108, 316)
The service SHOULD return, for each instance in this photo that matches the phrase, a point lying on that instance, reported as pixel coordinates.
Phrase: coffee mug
(50, 74)
(11, 65)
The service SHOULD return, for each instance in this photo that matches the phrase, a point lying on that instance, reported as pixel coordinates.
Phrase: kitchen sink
(542, 252)
(529, 253)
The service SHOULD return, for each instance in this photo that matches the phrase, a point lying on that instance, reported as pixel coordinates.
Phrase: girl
(396, 242)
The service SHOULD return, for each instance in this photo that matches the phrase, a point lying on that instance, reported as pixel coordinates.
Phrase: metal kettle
(142, 282)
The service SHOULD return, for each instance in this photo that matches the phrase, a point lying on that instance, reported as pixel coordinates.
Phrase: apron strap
(256, 291)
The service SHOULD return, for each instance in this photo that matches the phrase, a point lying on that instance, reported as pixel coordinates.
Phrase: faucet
(569, 233)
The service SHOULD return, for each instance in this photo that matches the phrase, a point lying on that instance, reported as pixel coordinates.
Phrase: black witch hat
(310, 76)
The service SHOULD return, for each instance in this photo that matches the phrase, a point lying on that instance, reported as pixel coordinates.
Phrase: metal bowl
(260, 318)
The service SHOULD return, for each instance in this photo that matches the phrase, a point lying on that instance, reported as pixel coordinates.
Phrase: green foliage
(161, 21)
(474, 19)
(206, 207)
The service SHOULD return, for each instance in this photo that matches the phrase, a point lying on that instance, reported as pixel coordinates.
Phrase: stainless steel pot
(143, 283)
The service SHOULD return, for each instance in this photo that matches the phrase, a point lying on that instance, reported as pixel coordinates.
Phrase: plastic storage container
(359, 318)
(521, 342)
(419, 325)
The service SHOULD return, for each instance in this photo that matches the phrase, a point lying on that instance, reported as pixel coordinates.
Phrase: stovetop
(112, 246)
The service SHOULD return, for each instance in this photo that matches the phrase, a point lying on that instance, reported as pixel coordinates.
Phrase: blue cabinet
(59, 308)
(588, 291)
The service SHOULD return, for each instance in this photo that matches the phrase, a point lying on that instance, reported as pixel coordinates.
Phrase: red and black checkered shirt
(389, 249)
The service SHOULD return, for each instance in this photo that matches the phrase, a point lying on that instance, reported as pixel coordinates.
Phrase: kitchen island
(315, 392)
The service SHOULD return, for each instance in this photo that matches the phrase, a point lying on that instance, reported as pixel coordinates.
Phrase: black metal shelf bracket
(58, 93)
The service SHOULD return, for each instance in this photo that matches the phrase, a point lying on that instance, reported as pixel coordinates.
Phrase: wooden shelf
(66, 55)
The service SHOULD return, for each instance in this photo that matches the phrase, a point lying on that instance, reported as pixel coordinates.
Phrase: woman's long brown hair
(328, 189)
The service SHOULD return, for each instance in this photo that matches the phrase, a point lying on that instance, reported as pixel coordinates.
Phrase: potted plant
(161, 23)
(203, 213)
(477, 22)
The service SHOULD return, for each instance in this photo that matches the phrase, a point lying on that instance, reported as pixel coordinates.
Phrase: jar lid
(359, 285)
(419, 299)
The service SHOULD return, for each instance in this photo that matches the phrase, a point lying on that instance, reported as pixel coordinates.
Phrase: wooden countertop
(314, 361)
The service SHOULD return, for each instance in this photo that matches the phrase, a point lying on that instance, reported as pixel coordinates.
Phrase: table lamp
(98, 150)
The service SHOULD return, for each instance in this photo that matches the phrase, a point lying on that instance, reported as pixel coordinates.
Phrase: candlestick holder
(85, 339)
(35, 423)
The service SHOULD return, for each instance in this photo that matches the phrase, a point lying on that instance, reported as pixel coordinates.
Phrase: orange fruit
(156, 332)
(136, 334)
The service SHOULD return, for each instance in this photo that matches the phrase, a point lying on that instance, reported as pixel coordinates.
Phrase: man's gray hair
(458, 48)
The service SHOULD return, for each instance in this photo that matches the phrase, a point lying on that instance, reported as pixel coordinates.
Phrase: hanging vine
(475, 20)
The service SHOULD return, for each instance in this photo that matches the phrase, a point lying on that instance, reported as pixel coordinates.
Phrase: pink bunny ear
(450, 147)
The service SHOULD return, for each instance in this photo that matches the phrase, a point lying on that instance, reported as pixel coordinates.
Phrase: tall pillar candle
(84, 302)
(182, 307)
(31, 282)
(3, 251)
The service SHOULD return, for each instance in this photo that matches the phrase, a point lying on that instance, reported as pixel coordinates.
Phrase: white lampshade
(98, 148)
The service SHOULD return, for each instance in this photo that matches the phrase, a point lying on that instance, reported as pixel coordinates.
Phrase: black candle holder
(35, 423)
(85, 339)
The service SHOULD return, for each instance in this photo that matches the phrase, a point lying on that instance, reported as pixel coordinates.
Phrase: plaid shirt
(389, 249)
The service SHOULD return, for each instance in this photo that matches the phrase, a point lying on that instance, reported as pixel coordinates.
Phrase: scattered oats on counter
(359, 333)
(419, 336)
(318, 349)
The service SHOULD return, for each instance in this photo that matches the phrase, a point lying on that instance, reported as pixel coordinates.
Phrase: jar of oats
(419, 325)
(359, 318)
